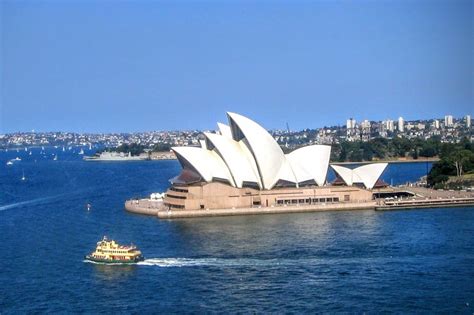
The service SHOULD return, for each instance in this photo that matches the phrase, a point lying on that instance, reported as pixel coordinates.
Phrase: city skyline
(448, 129)
(349, 123)
(137, 66)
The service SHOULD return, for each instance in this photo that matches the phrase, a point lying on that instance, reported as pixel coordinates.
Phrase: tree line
(455, 169)
(385, 149)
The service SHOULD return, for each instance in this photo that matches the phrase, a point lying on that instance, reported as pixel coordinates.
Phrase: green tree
(461, 160)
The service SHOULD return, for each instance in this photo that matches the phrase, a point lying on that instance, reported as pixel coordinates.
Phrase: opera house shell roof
(244, 154)
(366, 174)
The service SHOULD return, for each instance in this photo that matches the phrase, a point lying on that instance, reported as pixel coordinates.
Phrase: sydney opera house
(242, 166)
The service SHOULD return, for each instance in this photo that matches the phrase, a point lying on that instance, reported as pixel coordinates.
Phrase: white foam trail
(213, 262)
(42, 199)
(29, 202)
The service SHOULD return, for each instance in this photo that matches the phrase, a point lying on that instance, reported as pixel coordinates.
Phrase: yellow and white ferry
(111, 252)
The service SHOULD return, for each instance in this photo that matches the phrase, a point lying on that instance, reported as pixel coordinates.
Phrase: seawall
(424, 198)
(147, 207)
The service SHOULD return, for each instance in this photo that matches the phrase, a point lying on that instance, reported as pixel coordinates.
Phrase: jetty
(423, 197)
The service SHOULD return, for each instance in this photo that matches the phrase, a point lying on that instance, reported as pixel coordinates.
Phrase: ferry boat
(116, 156)
(108, 251)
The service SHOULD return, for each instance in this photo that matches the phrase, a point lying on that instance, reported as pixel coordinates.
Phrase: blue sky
(108, 66)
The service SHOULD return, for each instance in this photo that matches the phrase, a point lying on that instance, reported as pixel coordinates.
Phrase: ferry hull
(114, 261)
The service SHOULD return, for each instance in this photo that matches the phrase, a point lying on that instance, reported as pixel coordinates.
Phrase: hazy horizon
(123, 67)
(284, 127)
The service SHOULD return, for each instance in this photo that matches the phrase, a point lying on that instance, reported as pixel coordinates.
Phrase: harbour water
(354, 261)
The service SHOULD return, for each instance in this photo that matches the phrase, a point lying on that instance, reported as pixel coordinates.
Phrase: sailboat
(64, 149)
(26, 149)
(31, 153)
(55, 158)
(23, 177)
(81, 152)
(90, 146)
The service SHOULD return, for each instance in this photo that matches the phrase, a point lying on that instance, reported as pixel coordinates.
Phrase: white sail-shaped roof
(310, 162)
(244, 154)
(237, 157)
(346, 174)
(267, 153)
(370, 173)
(224, 130)
(207, 162)
(366, 174)
(286, 172)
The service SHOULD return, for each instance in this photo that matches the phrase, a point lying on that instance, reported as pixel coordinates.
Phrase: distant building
(401, 123)
(467, 119)
(436, 124)
(365, 124)
(389, 125)
(448, 121)
(351, 123)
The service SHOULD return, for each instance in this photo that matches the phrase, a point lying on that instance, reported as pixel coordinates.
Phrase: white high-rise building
(467, 119)
(351, 123)
(389, 125)
(448, 121)
(436, 124)
(365, 124)
(401, 123)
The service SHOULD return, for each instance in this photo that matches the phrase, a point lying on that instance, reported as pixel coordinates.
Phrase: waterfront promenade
(421, 198)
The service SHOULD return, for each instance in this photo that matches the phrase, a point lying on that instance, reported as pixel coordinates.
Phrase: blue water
(359, 261)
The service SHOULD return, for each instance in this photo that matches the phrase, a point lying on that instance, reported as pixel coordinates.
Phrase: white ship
(116, 156)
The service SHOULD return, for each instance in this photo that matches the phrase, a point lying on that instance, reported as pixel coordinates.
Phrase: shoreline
(432, 160)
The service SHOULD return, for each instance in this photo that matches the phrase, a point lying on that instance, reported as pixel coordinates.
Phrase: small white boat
(31, 153)
(55, 158)
(26, 149)
(81, 152)
(23, 177)
(64, 149)
(17, 159)
(9, 163)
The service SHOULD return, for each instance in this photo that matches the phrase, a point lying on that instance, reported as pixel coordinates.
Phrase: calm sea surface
(359, 261)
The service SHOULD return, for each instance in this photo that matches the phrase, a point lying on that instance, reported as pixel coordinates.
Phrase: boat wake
(42, 199)
(29, 202)
(214, 262)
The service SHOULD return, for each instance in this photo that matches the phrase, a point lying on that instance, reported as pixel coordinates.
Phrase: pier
(426, 198)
